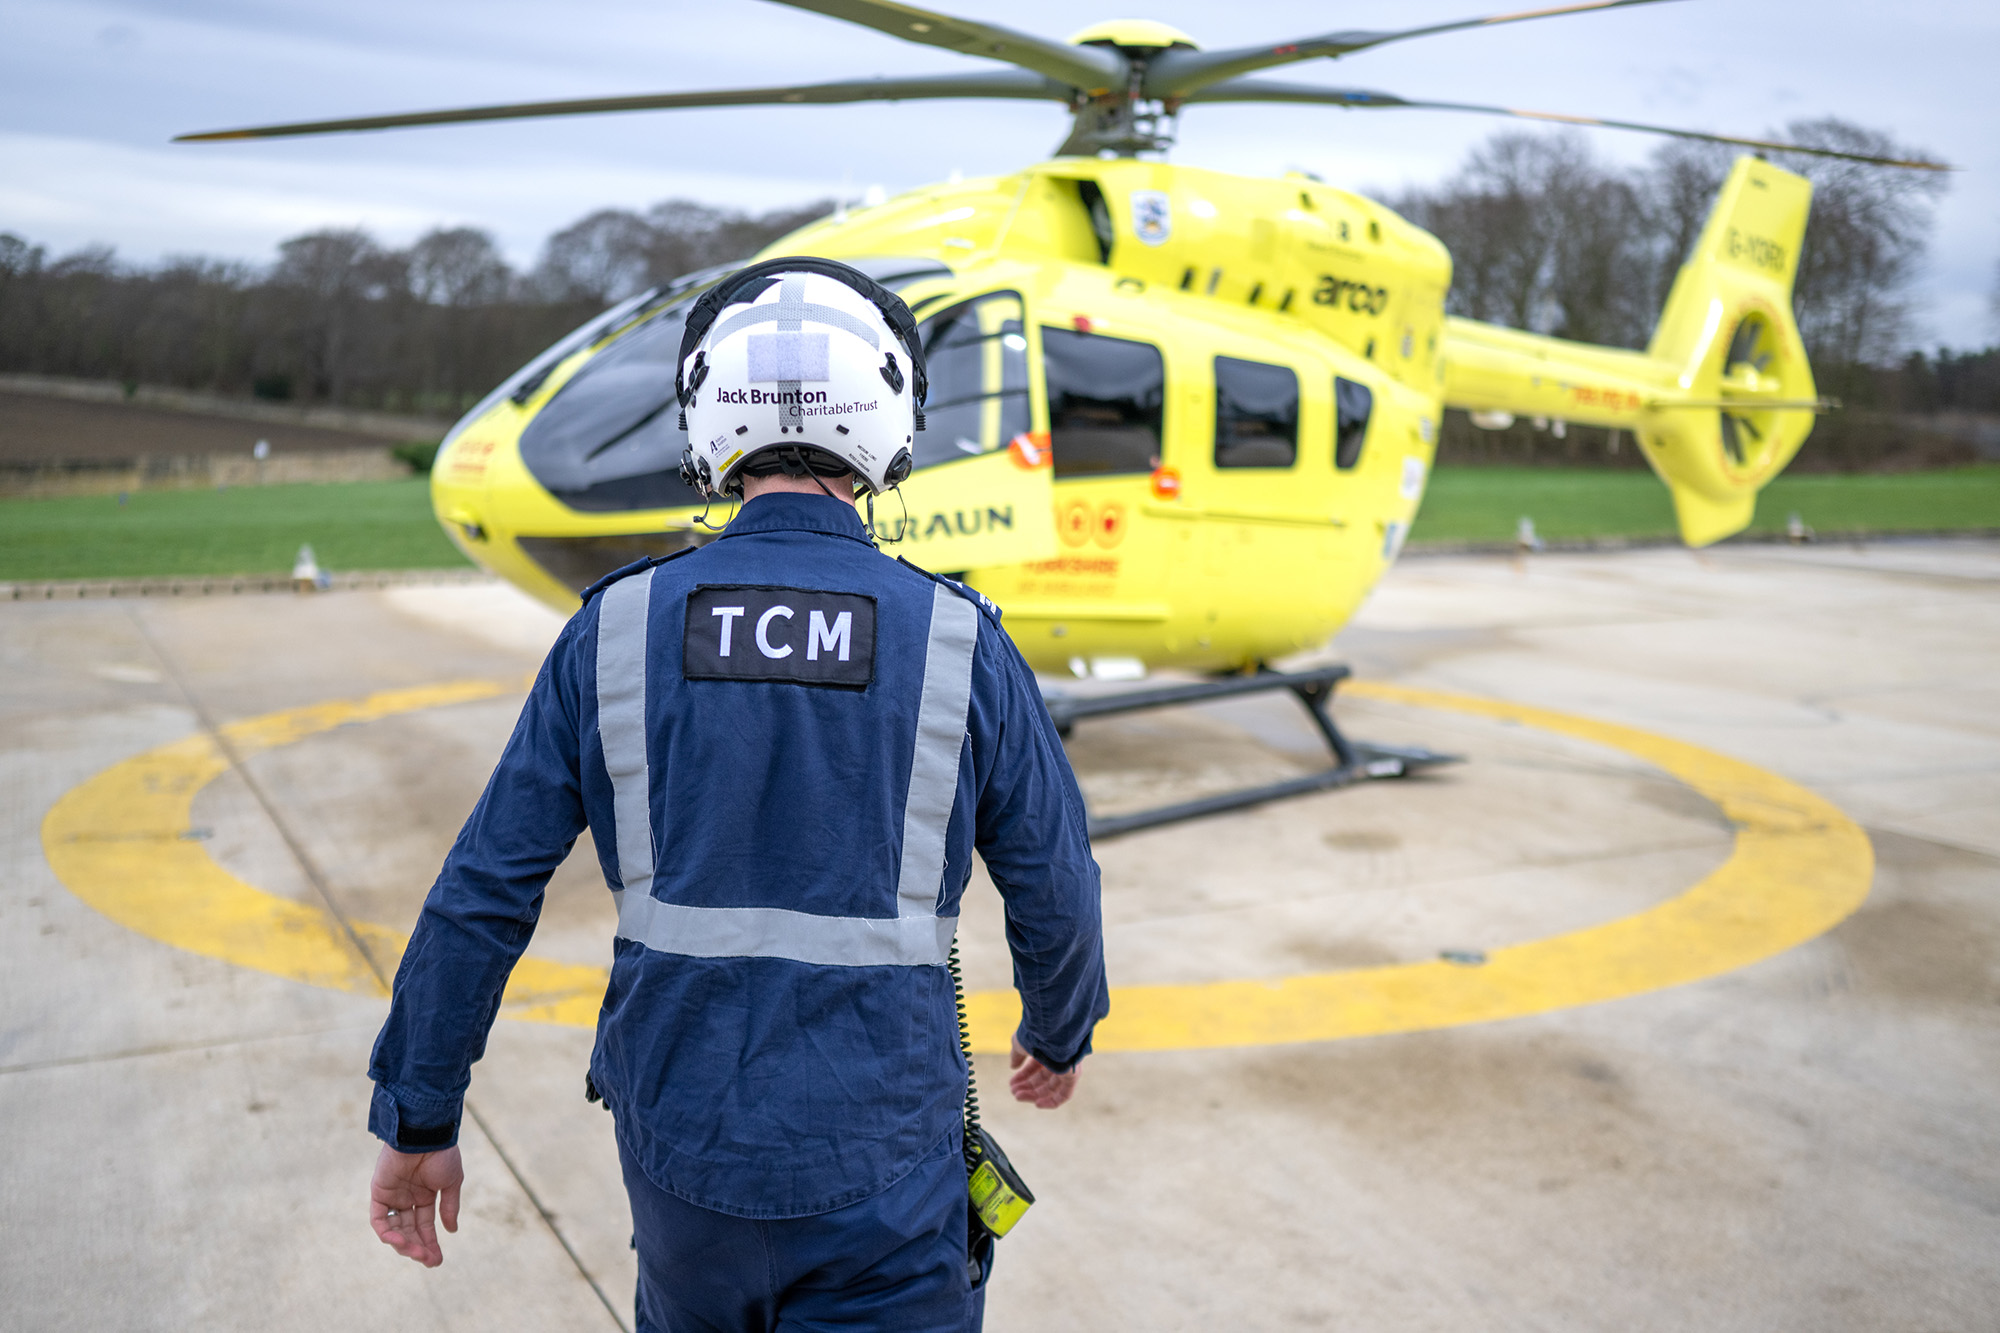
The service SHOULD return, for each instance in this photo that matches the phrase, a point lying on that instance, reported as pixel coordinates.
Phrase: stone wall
(181, 472)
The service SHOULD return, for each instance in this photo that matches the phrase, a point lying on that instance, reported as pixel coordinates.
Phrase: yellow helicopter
(1177, 417)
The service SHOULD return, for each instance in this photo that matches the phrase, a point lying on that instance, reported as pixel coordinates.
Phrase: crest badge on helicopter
(1152, 216)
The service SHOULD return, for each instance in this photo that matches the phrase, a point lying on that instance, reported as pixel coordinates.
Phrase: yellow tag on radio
(998, 1206)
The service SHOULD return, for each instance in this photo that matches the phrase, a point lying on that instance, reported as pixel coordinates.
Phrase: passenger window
(1106, 398)
(977, 357)
(1256, 414)
(1352, 403)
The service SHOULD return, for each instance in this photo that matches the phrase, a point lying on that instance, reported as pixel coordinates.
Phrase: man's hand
(1033, 1081)
(409, 1187)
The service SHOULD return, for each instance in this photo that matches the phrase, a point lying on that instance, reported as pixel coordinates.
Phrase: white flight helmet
(799, 364)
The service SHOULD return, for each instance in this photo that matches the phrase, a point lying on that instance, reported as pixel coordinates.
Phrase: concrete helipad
(1804, 1141)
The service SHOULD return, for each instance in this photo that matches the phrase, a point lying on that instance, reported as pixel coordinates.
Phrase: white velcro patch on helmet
(788, 356)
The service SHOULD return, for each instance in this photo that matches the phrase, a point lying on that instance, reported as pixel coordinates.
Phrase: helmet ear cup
(899, 468)
(694, 471)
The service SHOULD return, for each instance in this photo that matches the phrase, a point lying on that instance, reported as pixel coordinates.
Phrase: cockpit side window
(1353, 404)
(610, 439)
(1106, 400)
(977, 357)
(1256, 414)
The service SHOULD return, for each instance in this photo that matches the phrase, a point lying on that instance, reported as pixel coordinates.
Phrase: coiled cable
(965, 1045)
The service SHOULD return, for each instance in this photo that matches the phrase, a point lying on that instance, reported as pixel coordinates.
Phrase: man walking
(787, 747)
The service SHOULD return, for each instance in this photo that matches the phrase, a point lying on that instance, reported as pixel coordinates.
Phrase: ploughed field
(35, 428)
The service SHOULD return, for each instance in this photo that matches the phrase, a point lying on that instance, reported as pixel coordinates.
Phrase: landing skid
(1354, 761)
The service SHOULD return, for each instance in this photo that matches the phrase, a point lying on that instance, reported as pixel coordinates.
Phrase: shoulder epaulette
(627, 571)
(973, 595)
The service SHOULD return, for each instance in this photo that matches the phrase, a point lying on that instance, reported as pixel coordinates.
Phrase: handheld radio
(998, 1194)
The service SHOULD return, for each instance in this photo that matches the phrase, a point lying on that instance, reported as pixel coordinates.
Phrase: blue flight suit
(787, 747)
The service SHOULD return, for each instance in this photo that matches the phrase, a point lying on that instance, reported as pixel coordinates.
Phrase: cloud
(91, 89)
(70, 192)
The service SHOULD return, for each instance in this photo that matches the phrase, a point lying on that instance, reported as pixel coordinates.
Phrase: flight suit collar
(789, 512)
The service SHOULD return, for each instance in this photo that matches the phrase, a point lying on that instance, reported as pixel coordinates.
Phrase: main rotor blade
(999, 83)
(1272, 90)
(1087, 68)
(1180, 73)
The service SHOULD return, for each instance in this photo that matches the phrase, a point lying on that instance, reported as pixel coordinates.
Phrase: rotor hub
(1134, 35)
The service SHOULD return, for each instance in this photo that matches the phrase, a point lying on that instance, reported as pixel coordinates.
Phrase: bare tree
(602, 258)
(458, 266)
(742, 235)
(186, 323)
(686, 236)
(1677, 191)
(1544, 237)
(21, 285)
(1865, 242)
(614, 252)
(340, 316)
(322, 287)
(1601, 244)
(17, 257)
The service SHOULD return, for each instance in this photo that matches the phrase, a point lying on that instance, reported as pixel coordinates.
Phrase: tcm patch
(742, 632)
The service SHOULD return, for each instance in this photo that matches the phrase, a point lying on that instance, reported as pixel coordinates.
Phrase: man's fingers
(448, 1207)
(400, 1235)
(1035, 1082)
(392, 1225)
(400, 1223)
(427, 1235)
(1028, 1076)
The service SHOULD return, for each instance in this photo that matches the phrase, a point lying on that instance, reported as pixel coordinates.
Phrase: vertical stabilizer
(1742, 400)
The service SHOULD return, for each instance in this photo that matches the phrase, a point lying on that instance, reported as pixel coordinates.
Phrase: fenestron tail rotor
(1124, 82)
(1750, 389)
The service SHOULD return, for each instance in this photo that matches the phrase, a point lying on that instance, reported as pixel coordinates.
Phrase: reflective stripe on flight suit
(915, 936)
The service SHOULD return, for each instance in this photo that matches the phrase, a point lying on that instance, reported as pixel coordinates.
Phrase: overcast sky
(90, 91)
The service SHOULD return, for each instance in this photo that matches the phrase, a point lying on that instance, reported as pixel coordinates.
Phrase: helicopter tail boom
(1722, 397)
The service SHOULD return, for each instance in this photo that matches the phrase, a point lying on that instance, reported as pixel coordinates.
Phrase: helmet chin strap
(902, 527)
(708, 500)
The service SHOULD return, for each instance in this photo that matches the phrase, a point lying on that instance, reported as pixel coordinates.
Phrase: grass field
(1483, 504)
(388, 524)
(243, 530)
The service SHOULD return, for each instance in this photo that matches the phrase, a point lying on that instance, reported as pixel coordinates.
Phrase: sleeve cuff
(1048, 1061)
(419, 1128)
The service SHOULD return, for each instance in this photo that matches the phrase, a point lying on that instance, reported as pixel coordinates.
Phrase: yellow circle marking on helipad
(121, 842)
